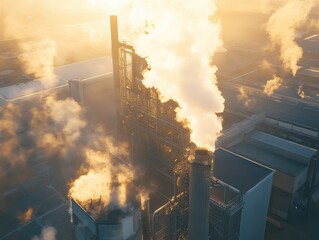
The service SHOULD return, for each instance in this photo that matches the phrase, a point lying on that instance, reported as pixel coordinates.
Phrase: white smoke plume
(57, 125)
(44, 40)
(282, 29)
(10, 151)
(244, 98)
(259, 6)
(101, 180)
(178, 43)
(48, 233)
(38, 60)
(272, 85)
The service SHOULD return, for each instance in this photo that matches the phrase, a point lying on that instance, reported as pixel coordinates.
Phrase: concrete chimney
(199, 194)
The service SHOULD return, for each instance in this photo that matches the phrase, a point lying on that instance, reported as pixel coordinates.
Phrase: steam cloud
(262, 6)
(45, 40)
(273, 85)
(40, 60)
(57, 125)
(282, 28)
(48, 233)
(179, 53)
(180, 58)
(11, 152)
(244, 98)
(178, 43)
(101, 180)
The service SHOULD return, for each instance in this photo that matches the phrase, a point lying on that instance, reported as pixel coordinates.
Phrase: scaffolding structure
(226, 205)
(142, 113)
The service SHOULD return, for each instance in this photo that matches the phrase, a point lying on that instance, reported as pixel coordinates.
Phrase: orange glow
(282, 28)
(177, 38)
(102, 180)
(273, 85)
(25, 216)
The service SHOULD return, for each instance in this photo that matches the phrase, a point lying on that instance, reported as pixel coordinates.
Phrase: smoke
(38, 60)
(57, 125)
(282, 29)
(48, 233)
(273, 85)
(178, 43)
(179, 53)
(45, 40)
(301, 92)
(11, 152)
(101, 180)
(25, 216)
(260, 6)
(244, 98)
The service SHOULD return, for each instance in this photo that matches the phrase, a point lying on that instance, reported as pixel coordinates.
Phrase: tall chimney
(199, 194)
(116, 66)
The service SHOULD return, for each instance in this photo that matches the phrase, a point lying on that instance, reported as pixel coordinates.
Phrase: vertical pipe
(199, 195)
(116, 69)
(146, 217)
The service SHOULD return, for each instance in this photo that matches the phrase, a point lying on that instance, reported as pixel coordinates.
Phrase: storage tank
(199, 195)
(96, 222)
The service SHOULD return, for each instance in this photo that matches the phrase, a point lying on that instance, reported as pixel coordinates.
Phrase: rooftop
(230, 168)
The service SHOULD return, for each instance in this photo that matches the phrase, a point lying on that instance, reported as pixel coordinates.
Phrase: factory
(279, 174)
(263, 171)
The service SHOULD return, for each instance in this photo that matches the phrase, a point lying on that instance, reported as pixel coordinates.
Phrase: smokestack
(116, 63)
(199, 193)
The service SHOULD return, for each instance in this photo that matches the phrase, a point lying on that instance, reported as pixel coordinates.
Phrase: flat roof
(309, 71)
(268, 158)
(78, 70)
(296, 150)
(237, 171)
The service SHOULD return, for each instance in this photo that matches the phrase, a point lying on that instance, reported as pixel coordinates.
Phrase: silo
(199, 195)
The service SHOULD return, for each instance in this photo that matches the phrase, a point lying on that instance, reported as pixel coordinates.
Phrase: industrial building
(265, 165)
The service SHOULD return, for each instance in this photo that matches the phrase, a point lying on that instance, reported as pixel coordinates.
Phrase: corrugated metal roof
(285, 148)
(79, 70)
(268, 158)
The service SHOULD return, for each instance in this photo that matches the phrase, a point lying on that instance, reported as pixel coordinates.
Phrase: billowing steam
(178, 43)
(244, 98)
(102, 180)
(57, 124)
(273, 85)
(260, 6)
(38, 60)
(48, 233)
(44, 40)
(11, 152)
(282, 29)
